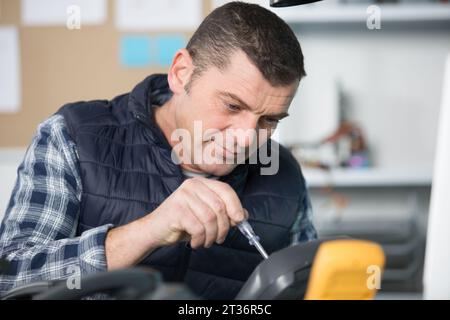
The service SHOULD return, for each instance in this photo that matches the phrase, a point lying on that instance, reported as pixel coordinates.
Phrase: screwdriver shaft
(247, 230)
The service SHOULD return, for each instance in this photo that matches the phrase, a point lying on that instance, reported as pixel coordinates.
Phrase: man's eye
(271, 121)
(233, 107)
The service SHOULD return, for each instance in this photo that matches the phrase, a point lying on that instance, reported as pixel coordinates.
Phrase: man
(112, 184)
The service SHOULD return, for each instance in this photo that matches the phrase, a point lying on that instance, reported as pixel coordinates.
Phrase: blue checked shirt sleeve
(303, 228)
(37, 234)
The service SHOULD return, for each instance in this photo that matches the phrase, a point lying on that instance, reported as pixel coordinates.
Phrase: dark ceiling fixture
(289, 3)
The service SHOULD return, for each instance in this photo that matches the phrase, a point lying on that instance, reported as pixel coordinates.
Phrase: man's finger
(194, 228)
(206, 216)
(218, 206)
(229, 197)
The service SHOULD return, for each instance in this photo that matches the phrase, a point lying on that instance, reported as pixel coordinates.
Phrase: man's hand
(200, 210)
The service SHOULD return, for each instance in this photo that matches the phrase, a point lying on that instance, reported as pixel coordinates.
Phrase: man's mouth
(226, 153)
(230, 154)
(222, 151)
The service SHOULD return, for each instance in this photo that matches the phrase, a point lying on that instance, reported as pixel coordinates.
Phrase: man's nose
(246, 131)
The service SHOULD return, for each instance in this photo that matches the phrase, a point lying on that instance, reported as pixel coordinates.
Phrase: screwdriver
(247, 230)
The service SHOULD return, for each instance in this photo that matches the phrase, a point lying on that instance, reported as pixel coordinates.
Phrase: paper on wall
(10, 88)
(133, 15)
(57, 12)
(135, 51)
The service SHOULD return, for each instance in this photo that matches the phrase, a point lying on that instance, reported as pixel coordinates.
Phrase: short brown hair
(265, 38)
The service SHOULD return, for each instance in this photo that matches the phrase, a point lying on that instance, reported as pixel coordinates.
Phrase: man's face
(229, 114)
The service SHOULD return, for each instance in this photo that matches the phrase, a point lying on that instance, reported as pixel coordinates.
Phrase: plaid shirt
(37, 234)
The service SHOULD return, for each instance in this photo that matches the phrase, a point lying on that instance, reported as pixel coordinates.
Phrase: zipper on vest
(181, 270)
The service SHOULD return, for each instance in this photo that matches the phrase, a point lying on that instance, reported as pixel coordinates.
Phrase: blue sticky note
(166, 46)
(135, 51)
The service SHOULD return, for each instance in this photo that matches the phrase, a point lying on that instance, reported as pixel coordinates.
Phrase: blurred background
(363, 124)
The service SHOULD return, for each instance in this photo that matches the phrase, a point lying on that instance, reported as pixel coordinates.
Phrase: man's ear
(180, 71)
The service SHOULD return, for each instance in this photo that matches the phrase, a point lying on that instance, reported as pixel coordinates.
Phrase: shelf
(368, 177)
(358, 13)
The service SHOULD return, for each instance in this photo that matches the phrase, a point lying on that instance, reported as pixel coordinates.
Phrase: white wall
(10, 159)
(393, 77)
(437, 275)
